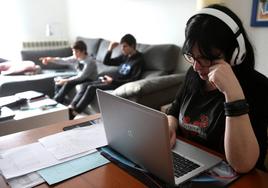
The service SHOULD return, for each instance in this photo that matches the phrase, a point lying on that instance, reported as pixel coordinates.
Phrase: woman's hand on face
(222, 76)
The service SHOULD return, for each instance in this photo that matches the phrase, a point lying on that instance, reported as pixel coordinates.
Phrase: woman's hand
(222, 76)
(172, 125)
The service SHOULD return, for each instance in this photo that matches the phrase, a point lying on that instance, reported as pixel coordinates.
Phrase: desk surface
(108, 175)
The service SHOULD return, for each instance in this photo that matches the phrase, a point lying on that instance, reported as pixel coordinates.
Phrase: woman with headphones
(222, 103)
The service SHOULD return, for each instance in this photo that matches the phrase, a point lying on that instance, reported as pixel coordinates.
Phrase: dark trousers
(85, 96)
(62, 90)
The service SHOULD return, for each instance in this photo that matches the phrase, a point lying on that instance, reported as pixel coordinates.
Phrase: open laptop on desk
(141, 134)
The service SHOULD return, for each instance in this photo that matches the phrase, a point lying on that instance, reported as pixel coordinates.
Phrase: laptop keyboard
(182, 165)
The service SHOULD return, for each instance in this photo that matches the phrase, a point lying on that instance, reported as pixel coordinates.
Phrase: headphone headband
(240, 52)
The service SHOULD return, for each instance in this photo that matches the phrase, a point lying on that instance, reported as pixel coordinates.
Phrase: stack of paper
(69, 143)
(53, 150)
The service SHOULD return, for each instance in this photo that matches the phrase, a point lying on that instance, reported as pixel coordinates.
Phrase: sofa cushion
(105, 69)
(102, 50)
(92, 45)
(34, 55)
(152, 73)
(2, 60)
(162, 57)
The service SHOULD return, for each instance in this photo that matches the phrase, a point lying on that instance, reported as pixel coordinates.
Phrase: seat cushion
(106, 70)
(2, 60)
(92, 44)
(102, 50)
(162, 57)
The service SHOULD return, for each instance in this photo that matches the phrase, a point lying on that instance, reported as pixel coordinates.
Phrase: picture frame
(259, 15)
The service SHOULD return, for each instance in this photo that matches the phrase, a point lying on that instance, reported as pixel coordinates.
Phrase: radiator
(44, 45)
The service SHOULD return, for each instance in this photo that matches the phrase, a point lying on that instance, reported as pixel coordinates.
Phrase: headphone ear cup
(239, 53)
(234, 57)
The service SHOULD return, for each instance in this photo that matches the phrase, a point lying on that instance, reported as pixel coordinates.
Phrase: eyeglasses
(202, 61)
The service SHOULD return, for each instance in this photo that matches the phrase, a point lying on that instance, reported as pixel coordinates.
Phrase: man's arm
(58, 60)
(112, 61)
(89, 71)
(47, 60)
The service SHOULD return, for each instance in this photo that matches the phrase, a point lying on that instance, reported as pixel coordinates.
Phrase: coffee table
(38, 113)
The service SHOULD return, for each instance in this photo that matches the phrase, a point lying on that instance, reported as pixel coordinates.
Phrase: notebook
(141, 134)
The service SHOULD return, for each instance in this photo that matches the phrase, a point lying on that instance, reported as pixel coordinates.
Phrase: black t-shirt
(201, 116)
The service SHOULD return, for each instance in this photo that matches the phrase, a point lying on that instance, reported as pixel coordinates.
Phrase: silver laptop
(141, 134)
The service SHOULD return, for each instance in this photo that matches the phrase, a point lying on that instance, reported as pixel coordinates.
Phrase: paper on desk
(72, 142)
(72, 168)
(28, 158)
(26, 181)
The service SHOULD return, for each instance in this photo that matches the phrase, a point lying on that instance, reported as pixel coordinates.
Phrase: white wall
(26, 20)
(10, 30)
(150, 21)
(36, 14)
(257, 35)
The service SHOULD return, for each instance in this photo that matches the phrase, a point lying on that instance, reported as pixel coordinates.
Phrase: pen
(84, 124)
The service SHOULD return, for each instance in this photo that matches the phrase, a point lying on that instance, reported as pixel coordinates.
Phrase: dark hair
(209, 32)
(81, 46)
(129, 39)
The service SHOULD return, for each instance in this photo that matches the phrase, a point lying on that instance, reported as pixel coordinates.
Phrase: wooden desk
(107, 176)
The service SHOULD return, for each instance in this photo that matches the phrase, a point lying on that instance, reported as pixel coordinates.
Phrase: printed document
(26, 181)
(29, 158)
(75, 141)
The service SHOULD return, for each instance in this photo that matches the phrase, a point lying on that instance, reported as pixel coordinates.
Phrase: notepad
(72, 168)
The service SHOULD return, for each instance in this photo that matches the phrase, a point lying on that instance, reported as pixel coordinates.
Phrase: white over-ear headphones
(240, 52)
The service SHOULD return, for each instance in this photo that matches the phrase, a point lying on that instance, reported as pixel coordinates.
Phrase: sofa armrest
(147, 86)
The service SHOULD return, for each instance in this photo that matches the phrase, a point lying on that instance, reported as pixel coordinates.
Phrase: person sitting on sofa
(129, 63)
(84, 64)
